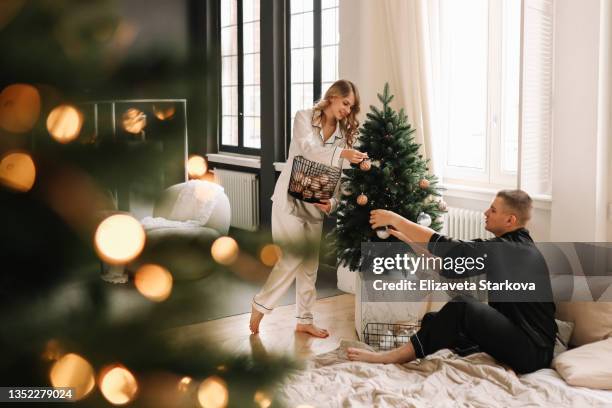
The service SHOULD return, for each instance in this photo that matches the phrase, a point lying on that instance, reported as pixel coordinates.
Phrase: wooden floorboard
(277, 334)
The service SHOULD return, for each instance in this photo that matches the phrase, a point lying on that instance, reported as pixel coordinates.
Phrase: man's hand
(324, 205)
(383, 218)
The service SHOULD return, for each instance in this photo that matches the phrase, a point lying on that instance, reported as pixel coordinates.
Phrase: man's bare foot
(403, 354)
(312, 330)
(256, 317)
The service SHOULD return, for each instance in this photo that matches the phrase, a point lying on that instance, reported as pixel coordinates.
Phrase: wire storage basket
(311, 181)
(387, 336)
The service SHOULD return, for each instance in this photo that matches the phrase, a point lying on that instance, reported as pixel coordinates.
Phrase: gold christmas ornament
(424, 183)
(362, 199)
(365, 165)
(64, 123)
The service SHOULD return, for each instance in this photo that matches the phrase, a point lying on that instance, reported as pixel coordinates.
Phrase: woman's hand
(383, 218)
(324, 205)
(354, 156)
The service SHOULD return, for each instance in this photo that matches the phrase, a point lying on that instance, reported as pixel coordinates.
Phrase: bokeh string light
(224, 250)
(164, 111)
(19, 108)
(118, 385)
(213, 393)
(17, 171)
(270, 254)
(153, 282)
(119, 239)
(196, 166)
(134, 121)
(262, 399)
(64, 123)
(73, 371)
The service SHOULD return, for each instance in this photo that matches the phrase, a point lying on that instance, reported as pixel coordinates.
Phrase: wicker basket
(387, 336)
(311, 181)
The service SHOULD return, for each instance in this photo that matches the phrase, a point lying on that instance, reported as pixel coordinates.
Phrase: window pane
(250, 10)
(329, 64)
(229, 100)
(511, 45)
(228, 12)
(329, 26)
(298, 6)
(250, 37)
(229, 71)
(466, 57)
(229, 135)
(252, 132)
(329, 3)
(302, 30)
(229, 41)
(302, 65)
(252, 101)
(324, 87)
(251, 69)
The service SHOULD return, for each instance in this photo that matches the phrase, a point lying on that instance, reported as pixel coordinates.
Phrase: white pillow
(592, 320)
(587, 366)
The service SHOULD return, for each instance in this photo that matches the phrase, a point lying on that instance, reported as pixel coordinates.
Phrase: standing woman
(324, 134)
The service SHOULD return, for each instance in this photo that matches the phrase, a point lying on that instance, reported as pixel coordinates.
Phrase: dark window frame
(240, 149)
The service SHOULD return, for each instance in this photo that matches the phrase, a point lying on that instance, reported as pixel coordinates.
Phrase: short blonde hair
(518, 201)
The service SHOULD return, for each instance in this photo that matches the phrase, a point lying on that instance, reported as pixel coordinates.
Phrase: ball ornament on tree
(382, 232)
(362, 199)
(365, 165)
(442, 206)
(424, 219)
(424, 183)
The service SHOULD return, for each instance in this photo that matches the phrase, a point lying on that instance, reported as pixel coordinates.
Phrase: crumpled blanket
(442, 379)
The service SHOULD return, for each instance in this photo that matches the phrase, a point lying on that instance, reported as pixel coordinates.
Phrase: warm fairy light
(270, 254)
(53, 350)
(262, 399)
(224, 250)
(213, 393)
(64, 123)
(183, 385)
(164, 111)
(119, 239)
(134, 121)
(118, 385)
(73, 370)
(222, 368)
(17, 171)
(19, 108)
(196, 166)
(153, 282)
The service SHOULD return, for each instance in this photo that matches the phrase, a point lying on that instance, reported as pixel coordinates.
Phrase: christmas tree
(396, 178)
(60, 323)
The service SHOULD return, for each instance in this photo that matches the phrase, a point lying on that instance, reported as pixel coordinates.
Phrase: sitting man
(520, 334)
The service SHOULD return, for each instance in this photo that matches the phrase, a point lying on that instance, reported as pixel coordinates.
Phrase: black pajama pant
(467, 326)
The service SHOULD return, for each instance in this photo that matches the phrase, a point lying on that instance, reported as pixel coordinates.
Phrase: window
(240, 84)
(313, 52)
(480, 81)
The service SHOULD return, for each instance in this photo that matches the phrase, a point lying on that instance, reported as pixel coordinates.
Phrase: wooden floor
(277, 334)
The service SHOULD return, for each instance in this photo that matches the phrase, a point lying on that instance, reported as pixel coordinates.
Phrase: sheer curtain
(412, 29)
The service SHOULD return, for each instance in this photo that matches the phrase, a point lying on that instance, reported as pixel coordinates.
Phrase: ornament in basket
(311, 181)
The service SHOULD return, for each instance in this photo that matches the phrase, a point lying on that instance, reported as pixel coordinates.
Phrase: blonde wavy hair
(348, 125)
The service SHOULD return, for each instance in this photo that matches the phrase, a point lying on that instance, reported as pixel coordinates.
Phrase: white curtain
(395, 41)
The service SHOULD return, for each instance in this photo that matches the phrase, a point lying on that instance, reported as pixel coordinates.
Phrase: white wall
(579, 132)
(582, 176)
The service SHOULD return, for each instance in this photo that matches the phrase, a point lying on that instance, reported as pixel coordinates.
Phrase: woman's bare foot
(256, 317)
(312, 330)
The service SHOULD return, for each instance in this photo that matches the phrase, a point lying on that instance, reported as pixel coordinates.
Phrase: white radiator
(465, 224)
(242, 189)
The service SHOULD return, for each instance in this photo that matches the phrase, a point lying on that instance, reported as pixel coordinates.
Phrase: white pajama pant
(289, 231)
